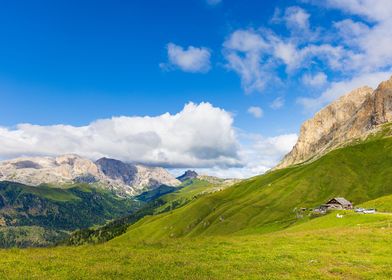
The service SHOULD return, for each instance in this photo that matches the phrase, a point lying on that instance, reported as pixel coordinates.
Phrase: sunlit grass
(329, 253)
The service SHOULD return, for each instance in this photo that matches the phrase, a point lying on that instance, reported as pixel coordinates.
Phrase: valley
(45, 215)
(204, 227)
(248, 230)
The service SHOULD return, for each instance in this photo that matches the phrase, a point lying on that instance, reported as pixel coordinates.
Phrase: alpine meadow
(200, 139)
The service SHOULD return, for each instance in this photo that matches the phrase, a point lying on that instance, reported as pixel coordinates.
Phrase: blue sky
(268, 64)
(65, 59)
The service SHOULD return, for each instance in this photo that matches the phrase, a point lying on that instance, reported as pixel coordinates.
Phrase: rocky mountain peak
(352, 116)
(117, 170)
(189, 174)
(123, 178)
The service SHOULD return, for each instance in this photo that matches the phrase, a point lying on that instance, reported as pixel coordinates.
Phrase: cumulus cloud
(198, 136)
(255, 111)
(316, 80)
(259, 155)
(297, 18)
(192, 59)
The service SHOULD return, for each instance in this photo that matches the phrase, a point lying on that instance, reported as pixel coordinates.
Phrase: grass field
(346, 252)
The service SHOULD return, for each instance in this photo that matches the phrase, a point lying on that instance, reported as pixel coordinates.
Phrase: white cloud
(191, 60)
(288, 53)
(255, 111)
(245, 41)
(243, 51)
(349, 29)
(376, 10)
(256, 55)
(213, 2)
(277, 103)
(349, 48)
(198, 136)
(369, 45)
(297, 18)
(337, 89)
(259, 153)
(316, 80)
(364, 56)
(367, 39)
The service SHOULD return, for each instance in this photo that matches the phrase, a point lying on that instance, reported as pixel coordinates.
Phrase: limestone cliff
(352, 116)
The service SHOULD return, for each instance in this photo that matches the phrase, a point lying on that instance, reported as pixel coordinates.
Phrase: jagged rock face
(37, 170)
(189, 174)
(381, 102)
(117, 170)
(352, 116)
(154, 177)
(123, 178)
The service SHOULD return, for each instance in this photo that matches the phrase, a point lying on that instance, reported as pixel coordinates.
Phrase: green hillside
(189, 190)
(382, 204)
(266, 203)
(29, 236)
(156, 202)
(329, 253)
(50, 211)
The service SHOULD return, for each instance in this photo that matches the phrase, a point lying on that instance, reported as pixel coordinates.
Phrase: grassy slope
(188, 191)
(71, 208)
(29, 236)
(382, 204)
(347, 253)
(179, 196)
(50, 211)
(266, 203)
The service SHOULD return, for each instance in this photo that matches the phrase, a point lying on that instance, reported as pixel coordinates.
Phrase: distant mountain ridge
(125, 179)
(353, 116)
(189, 174)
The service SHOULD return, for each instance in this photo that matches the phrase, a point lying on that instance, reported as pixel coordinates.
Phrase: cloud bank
(258, 153)
(199, 135)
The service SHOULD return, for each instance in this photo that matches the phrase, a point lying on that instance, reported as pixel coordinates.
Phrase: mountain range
(125, 179)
